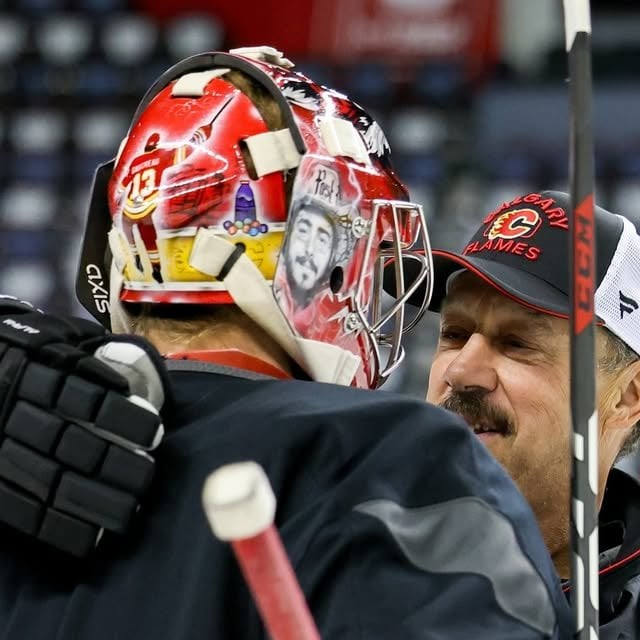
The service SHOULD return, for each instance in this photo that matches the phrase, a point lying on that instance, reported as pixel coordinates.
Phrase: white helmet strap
(324, 362)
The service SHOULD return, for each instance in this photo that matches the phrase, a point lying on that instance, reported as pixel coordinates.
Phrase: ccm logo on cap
(517, 223)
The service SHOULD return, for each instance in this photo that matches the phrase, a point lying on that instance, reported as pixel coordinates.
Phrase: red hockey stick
(240, 507)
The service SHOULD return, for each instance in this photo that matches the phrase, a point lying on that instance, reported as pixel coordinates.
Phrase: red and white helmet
(189, 222)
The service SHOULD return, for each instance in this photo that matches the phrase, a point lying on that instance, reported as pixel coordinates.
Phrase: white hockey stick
(240, 506)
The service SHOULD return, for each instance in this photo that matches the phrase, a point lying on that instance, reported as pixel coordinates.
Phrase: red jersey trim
(232, 358)
(611, 567)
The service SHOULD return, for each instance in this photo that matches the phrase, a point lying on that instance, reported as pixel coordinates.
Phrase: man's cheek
(436, 388)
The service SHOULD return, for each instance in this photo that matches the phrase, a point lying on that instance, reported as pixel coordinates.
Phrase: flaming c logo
(518, 223)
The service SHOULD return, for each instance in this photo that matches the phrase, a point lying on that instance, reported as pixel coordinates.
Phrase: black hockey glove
(79, 416)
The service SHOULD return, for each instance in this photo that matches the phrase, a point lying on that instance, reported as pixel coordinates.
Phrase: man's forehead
(313, 215)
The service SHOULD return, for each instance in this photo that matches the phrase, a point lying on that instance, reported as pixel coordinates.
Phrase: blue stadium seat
(612, 106)
(129, 39)
(426, 195)
(37, 81)
(63, 39)
(517, 165)
(19, 244)
(533, 120)
(139, 79)
(192, 33)
(76, 206)
(9, 93)
(420, 168)
(519, 122)
(370, 83)
(321, 71)
(99, 80)
(37, 167)
(440, 83)
(32, 78)
(29, 278)
(99, 130)
(6, 158)
(101, 7)
(625, 200)
(417, 129)
(28, 205)
(35, 140)
(14, 33)
(38, 130)
(626, 163)
(83, 165)
(39, 7)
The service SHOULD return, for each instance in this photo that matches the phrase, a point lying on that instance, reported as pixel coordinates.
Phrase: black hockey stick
(584, 479)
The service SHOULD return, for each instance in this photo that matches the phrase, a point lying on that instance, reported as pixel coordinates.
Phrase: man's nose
(473, 366)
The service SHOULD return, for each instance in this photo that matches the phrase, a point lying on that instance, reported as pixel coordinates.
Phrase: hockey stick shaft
(240, 506)
(274, 586)
(584, 478)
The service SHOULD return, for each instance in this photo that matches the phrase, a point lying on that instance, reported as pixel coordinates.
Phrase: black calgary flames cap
(521, 249)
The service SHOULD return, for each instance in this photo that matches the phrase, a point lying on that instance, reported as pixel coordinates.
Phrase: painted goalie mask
(207, 204)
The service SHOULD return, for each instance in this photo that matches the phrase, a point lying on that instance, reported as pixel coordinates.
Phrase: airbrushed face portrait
(309, 251)
(310, 248)
(319, 240)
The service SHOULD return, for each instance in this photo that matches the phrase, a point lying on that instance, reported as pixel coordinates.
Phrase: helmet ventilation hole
(336, 279)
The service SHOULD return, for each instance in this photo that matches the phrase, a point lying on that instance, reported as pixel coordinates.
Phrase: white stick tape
(239, 501)
(577, 18)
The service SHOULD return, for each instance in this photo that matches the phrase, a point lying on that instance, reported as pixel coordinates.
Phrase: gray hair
(617, 355)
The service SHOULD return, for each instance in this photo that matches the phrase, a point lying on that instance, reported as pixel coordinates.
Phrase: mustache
(307, 261)
(474, 408)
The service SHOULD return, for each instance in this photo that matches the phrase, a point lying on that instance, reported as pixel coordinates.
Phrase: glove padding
(79, 416)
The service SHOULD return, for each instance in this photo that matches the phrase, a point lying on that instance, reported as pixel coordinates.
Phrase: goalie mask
(208, 202)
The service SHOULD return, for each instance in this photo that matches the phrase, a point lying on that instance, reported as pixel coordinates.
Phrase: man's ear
(624, 398)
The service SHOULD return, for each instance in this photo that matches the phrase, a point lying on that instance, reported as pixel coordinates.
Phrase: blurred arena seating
(72, 72)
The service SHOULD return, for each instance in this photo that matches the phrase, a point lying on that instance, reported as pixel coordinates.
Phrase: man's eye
(513, 342)
(451, 334)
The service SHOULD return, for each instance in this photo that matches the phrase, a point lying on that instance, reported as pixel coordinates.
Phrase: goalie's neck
(232, 358)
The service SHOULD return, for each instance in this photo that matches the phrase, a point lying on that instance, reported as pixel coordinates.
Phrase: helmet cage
(410, 228)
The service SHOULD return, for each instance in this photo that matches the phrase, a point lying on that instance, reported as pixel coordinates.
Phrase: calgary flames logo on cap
(516, 223)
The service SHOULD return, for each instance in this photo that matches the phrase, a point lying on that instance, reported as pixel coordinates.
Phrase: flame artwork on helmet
(244, 182)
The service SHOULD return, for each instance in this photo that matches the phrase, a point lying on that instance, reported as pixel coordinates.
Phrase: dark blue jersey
(397, 520)
(619, 538)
